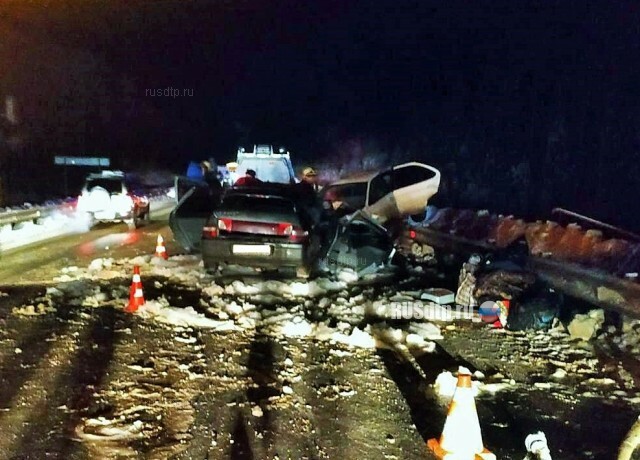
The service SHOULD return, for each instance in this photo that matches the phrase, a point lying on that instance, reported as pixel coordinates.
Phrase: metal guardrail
(591, 285)
(34, 214)
(16, 217)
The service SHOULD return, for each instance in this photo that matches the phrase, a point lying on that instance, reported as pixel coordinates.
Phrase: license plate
(252, 249)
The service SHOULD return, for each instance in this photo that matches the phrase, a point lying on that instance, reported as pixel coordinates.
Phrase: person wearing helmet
(206, 167)
(310, 179)
(322, 222)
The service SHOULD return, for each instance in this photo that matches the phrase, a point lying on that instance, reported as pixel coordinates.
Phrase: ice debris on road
(246, 302)
(349, 315)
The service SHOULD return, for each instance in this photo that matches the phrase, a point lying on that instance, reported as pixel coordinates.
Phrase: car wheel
(303, 273)
(91, 220)
(286, 272)
(211, 268)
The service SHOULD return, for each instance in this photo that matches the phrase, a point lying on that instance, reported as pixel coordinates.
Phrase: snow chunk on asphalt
(213, 290)
(417, 342)
(101, 430)
(446, 384)
(33, 310)
(160, 262)
(140, 260)
(358, 339)
(186, 259)
(428, 331)
(313, 288)
(233, 309)
(182, 317)
(238, 287)
(100, 264)
(298, 327)
(347, 276)
(53, 292)
(95, 300)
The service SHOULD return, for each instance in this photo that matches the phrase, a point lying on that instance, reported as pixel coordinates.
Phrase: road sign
(82, 161)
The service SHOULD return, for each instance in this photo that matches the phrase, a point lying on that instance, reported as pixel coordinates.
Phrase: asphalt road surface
(81, 382)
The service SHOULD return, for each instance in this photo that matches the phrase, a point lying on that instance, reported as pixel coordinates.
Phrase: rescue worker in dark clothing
(248, 180)
(211, 178)
(333, 209)
(309, 180)
(307, 198)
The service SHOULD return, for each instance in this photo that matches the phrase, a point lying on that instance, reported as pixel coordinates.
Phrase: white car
(397, 192)
(110, 197)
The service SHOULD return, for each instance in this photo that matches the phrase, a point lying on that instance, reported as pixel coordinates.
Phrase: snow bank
(161, 312)
(320, 309)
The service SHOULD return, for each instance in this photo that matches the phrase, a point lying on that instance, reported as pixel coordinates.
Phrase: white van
(269, 166)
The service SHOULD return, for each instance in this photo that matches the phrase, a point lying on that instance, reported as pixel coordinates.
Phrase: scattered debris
(439, 296)
(537, 447)
(586, 326)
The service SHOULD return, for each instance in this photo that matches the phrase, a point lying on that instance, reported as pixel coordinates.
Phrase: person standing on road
(309, 180)
(307, 196)
(210, 177)
(320, 221)
(248, 180)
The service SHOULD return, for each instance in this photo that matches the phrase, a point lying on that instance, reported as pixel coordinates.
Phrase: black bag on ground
(535, 311)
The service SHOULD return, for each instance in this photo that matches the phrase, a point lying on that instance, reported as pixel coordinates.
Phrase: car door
(359, 244)
(189, 216)
(409, 187)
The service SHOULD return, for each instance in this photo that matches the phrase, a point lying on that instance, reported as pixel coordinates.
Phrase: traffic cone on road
(136, 296)
(161, 251)
(461, 438)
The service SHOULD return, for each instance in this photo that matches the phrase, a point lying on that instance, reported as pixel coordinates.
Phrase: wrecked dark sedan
(263, 227)
(258, 227)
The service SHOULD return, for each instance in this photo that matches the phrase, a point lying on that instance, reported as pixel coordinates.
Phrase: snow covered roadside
(57, 224)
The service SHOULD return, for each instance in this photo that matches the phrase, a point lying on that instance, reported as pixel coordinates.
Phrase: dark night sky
(473, 83)
(286, 68)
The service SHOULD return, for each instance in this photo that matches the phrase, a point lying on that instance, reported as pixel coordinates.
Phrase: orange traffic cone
(161, 251)
(136, 296)
(461, 438)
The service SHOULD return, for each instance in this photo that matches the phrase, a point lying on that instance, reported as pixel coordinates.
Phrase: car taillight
(225, 224)
(295, 234)
(284, 229)
(209, 232)
(298, 235)
(136, 199)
